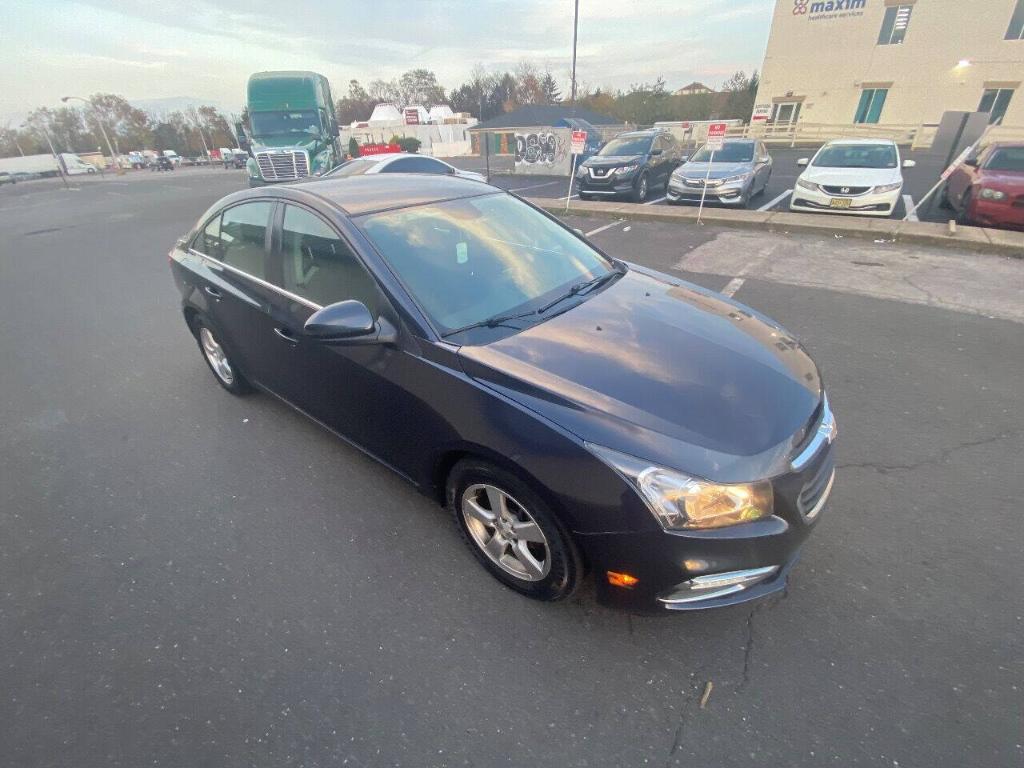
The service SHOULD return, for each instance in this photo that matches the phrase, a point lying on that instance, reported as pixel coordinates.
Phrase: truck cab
(293, 131)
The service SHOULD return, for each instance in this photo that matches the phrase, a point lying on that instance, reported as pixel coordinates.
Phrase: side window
(208, 240)
(1016, 29)
(243, 232)
(894, 24)
(318, 266)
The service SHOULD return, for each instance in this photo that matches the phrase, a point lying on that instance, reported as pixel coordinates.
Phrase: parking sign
(579, 142)
(716, 136)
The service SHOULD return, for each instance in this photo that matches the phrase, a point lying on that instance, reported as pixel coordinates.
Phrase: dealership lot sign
(816, 10)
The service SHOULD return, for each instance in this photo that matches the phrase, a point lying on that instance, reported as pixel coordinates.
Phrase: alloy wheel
(506, 532)
(642, 190)
(216, 357)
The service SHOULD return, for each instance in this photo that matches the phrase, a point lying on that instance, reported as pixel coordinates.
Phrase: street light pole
(575, 29)
(113, 157)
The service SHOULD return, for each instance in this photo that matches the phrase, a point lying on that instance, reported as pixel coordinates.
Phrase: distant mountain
(169, 104)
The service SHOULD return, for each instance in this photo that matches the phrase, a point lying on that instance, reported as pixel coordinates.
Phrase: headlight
(808, 185)
(888, 187)
(991, 194)
(681, 502)
(736, 179)
(626, 169)
(581, 171)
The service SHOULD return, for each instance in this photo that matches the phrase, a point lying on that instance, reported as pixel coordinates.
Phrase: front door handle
(213, 292)
(286, 335)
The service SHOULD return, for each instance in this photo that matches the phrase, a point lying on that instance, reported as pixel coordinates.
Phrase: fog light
(622, 580)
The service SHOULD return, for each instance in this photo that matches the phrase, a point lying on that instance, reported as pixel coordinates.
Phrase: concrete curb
(977, 239)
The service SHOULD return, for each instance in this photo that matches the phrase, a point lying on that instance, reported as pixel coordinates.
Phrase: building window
(1016, 29)
(871, 102)
(895, 23)
(995, 101)
(786, 112)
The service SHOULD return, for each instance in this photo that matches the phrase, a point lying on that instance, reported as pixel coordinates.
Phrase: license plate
(839, 202)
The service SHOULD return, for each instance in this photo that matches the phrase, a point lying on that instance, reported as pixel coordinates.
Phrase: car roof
(862, 141)
(358, 195)
(648, 132)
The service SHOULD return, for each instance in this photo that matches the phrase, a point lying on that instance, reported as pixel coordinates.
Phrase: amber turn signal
(622, 580)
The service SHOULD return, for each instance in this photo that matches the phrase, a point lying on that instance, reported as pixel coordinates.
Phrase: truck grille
(283, 164)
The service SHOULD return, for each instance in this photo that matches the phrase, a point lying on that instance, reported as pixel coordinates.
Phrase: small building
(892, 62)
(694, 89)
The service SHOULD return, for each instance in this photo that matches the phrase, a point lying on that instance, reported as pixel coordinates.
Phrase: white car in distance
(399, 162)
(861, 177)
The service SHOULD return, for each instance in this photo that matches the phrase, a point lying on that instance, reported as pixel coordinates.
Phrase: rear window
(1008, 159)
(353, 167)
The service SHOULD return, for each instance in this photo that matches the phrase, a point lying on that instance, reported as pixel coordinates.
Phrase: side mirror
(655, 152)
(683, 158)
(803, 161)
(578, 231)
(971, 161)
(909, 163)
(349, 321)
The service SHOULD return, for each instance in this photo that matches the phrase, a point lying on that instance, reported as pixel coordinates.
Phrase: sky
(160, 49)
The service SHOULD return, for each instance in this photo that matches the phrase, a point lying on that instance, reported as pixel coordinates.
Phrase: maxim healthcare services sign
(828, 9)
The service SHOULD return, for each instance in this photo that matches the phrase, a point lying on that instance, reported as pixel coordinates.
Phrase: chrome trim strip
(826, 433)
(821, 502)
(599, 192)
(259, 281)
(717, 585)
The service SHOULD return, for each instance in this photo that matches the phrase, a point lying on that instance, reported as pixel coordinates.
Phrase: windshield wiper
(490, 322)
(580, 288)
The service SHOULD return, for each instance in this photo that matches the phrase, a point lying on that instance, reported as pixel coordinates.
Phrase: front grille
(282, 165)
(600, 173)
(845, 190)
(816, 487)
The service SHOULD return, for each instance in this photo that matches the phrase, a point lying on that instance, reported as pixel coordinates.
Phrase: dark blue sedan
(573, 411)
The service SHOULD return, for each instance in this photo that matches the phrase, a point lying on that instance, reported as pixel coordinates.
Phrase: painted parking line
(535, 186)
(655, 202)
(732, 286)
(908, 203)
(601, 229)
(772, 203)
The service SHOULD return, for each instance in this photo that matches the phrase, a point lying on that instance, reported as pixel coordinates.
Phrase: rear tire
(640, 190)
(217, 359)
(962, 216)
(512, 532)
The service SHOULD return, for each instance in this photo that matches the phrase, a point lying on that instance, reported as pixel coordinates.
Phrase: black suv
(630, 164)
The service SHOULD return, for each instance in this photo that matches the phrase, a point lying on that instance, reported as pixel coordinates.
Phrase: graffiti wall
(543, 151)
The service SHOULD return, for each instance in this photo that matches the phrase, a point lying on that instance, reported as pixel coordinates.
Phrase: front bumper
(701, 569)
(989, 213)
(613, 184)
(680, 191)
(869, 204)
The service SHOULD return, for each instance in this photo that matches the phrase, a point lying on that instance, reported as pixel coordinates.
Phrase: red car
(988, 190)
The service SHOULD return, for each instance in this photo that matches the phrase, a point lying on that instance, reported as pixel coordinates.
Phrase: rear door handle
(286, 335)
(213, 292)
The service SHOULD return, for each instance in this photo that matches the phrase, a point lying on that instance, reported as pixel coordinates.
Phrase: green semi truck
(293, 131)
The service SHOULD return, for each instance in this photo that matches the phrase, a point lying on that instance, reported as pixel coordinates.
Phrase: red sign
(378, 149)
(579, 142)
(716, 135)
(412, 117)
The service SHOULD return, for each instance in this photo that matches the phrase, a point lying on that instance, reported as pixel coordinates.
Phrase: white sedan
(861, 177)
(399, 162)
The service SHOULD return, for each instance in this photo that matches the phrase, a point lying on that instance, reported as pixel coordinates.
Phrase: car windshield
(626, 145)
(471, 260)
(1008, 159)
(856, 156)
(279, 123)
(356, 167)
(731, 152)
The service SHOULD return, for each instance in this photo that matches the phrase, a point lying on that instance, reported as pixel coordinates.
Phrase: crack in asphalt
(677, 740)
(934, 460)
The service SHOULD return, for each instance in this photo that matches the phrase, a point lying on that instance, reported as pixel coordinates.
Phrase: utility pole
(575, 30)
(57, 158)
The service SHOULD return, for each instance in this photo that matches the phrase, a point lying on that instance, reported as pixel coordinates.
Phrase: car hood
(717, 170)
(612, 161)
(665, 371)
(852, 177)
(1005, 180)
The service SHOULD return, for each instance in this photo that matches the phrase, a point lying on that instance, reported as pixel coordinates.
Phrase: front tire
(512, 532)
(640, 190)
(224, 370)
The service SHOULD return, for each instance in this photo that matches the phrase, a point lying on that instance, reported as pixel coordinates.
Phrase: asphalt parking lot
(917, 181)
(193, 579)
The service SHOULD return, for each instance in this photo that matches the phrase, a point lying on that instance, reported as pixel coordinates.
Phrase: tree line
(72, 129)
